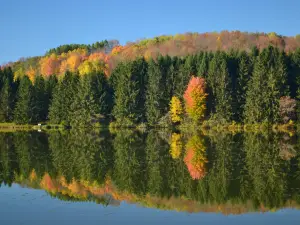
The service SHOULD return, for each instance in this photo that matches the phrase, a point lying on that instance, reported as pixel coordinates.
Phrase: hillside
(105, 55)
(212, 79)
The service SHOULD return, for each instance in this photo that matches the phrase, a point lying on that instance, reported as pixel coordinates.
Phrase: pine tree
(50, 86)
(84, 108)
(203, 65)
(130, 92)
(63, 97)
(243, 76)
(295, 78)
(103, 94)
(23, 111)
(220, 93)
(182, 78)
(172, 74)
(6, 102)
(267, 85)
(155, 90)
(39, 104)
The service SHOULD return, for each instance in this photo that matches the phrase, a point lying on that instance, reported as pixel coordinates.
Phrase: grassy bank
(7, 127)
(206, 126)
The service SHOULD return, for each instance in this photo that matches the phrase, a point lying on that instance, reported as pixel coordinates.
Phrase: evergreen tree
(6, 102)
(172, 73)
(63, 97)
(50, 86)
(267, 85)
(203, 65)
(40, 100)
(84, 108)
(23, 112)
(220, 99)
(155, 107)
(182, 78)
(294, 78)
(243, 76)
(130, 92)
(1, 78)
(103, 94)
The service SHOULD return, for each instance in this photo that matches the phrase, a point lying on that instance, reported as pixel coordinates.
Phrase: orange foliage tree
(116, 50)
(195, 157)
(195, 98)
(49, 65)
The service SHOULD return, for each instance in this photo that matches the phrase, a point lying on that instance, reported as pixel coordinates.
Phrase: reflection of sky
(34, 207)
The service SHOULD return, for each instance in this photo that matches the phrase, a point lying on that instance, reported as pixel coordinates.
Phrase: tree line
(246, 87)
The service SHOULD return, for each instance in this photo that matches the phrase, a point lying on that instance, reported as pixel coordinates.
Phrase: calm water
(149, 178)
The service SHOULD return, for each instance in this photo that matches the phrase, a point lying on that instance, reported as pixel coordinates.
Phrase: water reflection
(185, 172)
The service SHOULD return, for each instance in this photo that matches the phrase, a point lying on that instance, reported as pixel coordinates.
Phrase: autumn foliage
(176, 146)
(70, 57)
(195, 98)
(195, 157)
(176, 109)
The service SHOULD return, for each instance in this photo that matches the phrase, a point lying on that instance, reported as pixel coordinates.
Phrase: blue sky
(31, 27)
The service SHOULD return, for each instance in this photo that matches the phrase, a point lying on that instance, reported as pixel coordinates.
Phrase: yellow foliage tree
(85, 68)
(176, 109)
(176, 146)
(73, 62)
(31, 74)
(19, 73)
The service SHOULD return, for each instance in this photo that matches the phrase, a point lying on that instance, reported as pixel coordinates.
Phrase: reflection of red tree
(47, 183)
(195, 158)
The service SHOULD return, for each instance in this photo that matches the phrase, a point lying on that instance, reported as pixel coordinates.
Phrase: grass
(10, 127)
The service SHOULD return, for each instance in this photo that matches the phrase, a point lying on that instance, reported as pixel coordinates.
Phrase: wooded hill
(247, 78)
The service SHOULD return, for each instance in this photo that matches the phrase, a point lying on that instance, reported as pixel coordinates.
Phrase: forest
(227, 77)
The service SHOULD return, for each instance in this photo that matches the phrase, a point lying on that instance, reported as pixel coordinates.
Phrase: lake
(155, 177)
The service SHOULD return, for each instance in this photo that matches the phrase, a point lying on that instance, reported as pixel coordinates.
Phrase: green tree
(129, 92)
(63, 97)
(6, 101)
(84, 108)
(219, 82)
(23, 112)
(40, 100)
(266, 86)
(155, 105)
(243, 77)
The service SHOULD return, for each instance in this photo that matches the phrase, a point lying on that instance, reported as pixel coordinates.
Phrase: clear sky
(31, 27)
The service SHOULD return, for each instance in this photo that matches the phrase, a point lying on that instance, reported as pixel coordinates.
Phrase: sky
(31, 27)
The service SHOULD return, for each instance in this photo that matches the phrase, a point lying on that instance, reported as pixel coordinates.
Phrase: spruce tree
(268, 83)
(129, 92)
(6, 102)
(155, 90)
(40, 102)
(203, 65)
(50, 86)
(243, 76)
(63, 97)
(103, 94)
(182, 78)
(23, 112)
(83, 108)
(219, 88)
